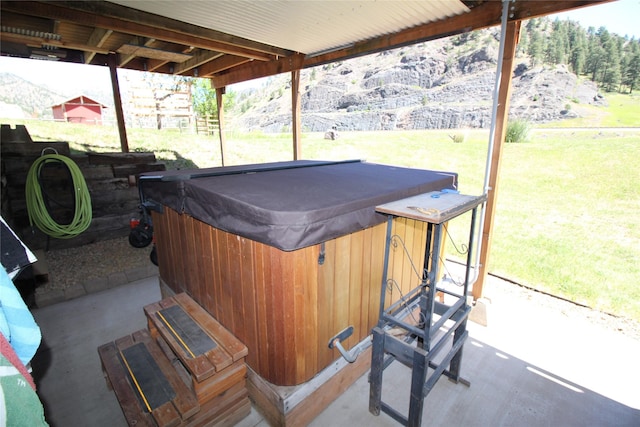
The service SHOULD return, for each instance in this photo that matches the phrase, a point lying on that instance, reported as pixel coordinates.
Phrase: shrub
(458, 137)
(517, 131)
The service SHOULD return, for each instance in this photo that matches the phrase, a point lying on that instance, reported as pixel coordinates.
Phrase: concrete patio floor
(533, 365)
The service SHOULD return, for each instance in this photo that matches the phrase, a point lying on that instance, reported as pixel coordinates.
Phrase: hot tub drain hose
(37, 208)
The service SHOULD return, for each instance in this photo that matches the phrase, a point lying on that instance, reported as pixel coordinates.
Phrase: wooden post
(117, 100)
(219, 92)
(296, 113)
(504, 96)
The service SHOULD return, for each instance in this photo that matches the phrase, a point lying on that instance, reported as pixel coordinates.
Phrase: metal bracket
(335, 342)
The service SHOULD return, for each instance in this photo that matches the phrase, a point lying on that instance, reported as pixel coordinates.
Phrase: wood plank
(234, 286)
(261, 344)
(221, 382)
(200, 367)
(368, 285)
(198, 272)
(166, 415)
(183, 405)
(222, 336)
(153, 53)
(119, 158)
(326, 278)
(117, 376)
(311, 320)
(248, 294)
(23, 149)
(356, 285)
(224, 411)
(233, 415)
(378, 240)
(185, 402)
(149, 309)
(225, 315)
(311, 407)
(211, 270)
(277, 319)
(266, 399)
(288, 327)
(190, 256)
(176, 251)
(161, 235)
(169, 263)
(185, 262)
(396, 260)
(341, 286)
(217, 241)
(300, 340)
(273, 401)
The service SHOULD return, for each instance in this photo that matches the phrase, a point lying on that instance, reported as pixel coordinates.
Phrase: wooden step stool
(203, 359)
(149, 390)
(213, 357)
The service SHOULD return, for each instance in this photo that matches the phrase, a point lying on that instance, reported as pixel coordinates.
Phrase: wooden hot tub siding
(285, 306)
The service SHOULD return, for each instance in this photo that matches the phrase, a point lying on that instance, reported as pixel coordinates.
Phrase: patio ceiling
(233, 41)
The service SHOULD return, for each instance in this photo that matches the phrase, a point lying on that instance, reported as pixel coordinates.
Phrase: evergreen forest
(610, 60)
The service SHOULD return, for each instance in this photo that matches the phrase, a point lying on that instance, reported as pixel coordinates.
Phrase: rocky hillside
(22, 99)
(445, 83)
(440, 84)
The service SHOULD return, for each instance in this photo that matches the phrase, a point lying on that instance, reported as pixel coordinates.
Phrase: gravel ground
(69, 267)
(507, 289)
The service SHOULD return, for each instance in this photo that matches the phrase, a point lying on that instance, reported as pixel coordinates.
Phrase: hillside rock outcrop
(420, 87)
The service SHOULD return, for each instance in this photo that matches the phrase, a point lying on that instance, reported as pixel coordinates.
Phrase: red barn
(81, 109)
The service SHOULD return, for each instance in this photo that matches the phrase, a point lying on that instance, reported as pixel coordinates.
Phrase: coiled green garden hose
(36, 206)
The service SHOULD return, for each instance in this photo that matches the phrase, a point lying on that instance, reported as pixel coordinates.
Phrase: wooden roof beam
(39, 42)
(255, 70)
(220, 64)
(487, 14)
(125, 58)
(97, 38)
(130, 21)
(198, 59)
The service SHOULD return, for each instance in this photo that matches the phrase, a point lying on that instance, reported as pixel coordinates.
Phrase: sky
(619, 17)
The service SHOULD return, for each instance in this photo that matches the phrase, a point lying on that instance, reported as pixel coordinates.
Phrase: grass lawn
(568, 206)
(622, 111)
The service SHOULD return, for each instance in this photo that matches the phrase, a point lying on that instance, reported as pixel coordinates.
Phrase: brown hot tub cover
(290, 205)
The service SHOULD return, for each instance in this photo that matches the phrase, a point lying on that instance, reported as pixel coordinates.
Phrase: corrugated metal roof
(308, 27)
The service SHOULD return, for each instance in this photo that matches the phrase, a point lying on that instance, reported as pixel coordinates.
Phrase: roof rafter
(138, 23)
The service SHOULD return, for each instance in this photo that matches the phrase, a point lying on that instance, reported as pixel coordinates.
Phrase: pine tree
(611, 73)
(536, 48)
(631, 76)
(595, 57)
(577, 47)
(523, 42)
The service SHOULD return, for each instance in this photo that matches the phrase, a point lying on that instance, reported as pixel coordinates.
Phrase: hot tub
(286, 255)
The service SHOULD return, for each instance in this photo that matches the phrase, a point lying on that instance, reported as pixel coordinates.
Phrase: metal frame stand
(440, 325)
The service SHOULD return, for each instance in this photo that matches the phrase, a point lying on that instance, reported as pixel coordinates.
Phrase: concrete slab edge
(54, 296)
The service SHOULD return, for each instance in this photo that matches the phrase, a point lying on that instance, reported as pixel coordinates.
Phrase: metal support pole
(508, 43)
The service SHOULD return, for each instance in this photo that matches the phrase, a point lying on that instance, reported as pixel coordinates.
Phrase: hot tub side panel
(285, 306)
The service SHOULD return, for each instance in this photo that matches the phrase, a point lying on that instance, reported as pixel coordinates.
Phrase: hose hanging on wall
(37, 209)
